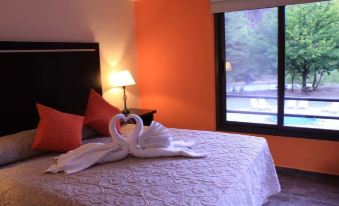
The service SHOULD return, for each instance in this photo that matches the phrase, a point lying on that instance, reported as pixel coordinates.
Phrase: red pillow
(98, 113)
(57, 131)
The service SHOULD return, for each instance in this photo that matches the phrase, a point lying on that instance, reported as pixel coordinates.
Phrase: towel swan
(157, 142)
(154, 142)
(94, 153)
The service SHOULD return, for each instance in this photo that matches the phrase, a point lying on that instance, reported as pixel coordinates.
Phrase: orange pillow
(98, 113)
(57, 131)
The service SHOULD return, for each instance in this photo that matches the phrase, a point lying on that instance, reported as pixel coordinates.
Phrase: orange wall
(305, 154)
(175, 66)
(175, 61)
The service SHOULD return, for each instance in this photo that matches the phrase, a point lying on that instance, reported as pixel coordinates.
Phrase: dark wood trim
(56, 74)
(220, 76)
(286, 98)
(281, 65)
(16, 45)
(293, 132)
(285, 115)
(295, 171)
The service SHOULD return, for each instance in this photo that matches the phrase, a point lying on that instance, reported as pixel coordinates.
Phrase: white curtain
(218, 6)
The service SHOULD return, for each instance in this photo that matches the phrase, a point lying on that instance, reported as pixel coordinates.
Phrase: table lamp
(122, 79)
(228, 66)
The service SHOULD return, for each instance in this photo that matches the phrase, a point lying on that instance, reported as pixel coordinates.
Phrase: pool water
(296, 120)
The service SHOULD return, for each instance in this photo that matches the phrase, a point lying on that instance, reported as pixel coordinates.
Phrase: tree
(251, 43)
(312, 41)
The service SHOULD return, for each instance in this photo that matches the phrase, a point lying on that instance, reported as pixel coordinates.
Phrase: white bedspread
(238, 171)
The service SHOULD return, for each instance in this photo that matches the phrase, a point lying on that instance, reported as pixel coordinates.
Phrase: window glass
(280, 70)
(251, 66)
(312, 66)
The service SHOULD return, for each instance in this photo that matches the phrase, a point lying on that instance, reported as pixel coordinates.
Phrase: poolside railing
(330, 100)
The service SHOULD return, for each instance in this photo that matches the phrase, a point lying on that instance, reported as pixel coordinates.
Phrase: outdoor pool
(296, 120)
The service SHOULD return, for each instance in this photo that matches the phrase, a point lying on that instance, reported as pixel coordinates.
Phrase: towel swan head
(116, 136)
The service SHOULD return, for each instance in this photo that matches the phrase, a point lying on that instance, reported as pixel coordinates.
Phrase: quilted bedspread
(238, 171)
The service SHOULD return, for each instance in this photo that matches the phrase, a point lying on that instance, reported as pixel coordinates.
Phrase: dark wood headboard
(58, 75)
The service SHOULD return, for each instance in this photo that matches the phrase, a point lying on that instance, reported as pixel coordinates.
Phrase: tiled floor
(299, 188)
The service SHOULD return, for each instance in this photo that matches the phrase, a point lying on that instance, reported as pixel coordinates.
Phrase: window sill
(306, 133)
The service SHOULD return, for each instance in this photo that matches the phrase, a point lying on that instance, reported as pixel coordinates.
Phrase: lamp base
(125, 111)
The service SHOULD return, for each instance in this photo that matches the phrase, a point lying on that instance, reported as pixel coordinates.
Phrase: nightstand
(145, 114)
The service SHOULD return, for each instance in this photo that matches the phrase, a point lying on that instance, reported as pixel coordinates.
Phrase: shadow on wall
(40, 20)
(111, 23)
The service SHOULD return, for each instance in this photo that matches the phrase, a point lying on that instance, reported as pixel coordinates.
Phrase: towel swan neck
(115, 135)
(139, 127)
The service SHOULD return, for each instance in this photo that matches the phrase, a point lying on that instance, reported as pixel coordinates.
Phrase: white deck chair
(264, 105)
(302, 104)
(336, 107)
(333, 108)
(254, 104)
(291, 104)
(327, 108)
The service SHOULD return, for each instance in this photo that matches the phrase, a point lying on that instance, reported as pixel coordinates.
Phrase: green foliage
(312, 41)
(251, 43)
(332, 78)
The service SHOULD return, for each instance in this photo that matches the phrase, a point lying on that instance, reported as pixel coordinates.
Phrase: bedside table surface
(145, 114)
(142, 112)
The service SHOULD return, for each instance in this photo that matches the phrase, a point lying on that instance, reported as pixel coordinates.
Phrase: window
(278, 70)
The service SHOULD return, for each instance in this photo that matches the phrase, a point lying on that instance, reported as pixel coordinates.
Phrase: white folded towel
(155, 136)
(93, 153)
(157, 141)
(84, 156)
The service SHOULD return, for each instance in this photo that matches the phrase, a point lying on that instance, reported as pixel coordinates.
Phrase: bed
(239, 169)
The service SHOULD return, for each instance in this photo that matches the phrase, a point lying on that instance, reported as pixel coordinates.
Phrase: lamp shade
(121, 78)
(228, 66)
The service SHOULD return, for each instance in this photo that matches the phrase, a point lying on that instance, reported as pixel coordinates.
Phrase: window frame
(220, 90)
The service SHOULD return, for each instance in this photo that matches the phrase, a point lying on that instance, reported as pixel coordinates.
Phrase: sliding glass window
(278, 70)
(311, 69)
(251, 65)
